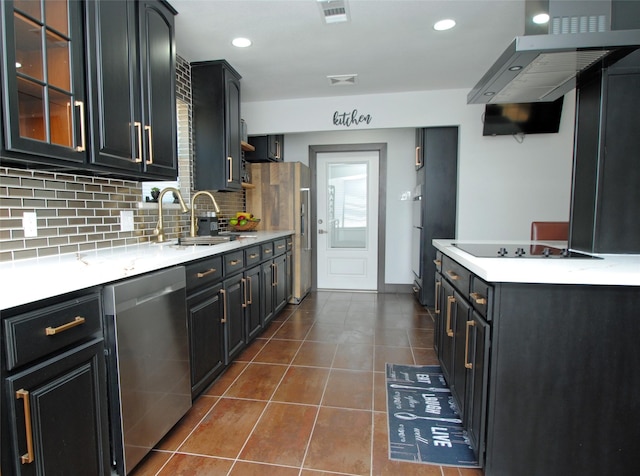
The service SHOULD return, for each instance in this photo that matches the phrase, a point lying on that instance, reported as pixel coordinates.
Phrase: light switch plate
(126, 220)
(30, 224)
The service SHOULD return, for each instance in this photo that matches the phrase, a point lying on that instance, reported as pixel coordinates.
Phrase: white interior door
(347, 220)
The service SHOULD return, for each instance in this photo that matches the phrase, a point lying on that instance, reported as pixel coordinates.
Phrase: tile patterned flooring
(307, 397)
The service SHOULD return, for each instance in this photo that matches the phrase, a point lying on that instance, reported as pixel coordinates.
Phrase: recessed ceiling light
(541, 18)
(446, 24)
(241, 42)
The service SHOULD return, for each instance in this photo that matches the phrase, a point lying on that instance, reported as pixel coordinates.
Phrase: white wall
(503, 185)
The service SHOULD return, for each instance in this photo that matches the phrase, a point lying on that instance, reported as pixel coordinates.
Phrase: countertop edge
(27, 281)
(611, 270)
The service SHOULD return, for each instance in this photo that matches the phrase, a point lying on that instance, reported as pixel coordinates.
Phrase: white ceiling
(390, 44)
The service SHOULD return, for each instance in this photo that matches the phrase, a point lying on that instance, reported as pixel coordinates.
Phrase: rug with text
(424, 424)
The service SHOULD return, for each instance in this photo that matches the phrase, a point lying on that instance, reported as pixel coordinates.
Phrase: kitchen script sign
(349, 119)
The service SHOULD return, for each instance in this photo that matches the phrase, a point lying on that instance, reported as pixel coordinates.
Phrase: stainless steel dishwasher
(147, 362)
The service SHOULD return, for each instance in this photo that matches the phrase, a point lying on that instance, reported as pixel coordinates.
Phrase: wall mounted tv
(522, 118)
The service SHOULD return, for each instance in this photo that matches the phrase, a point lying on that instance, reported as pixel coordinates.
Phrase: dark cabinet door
(268, 148)
(253, 307)
(206, 337)
(458, 382)
(132, 86)
(477, 365)
(215, 87)
(280, 282)
(438, 313)
(58, 415)
(447, 331)
(233, 317)
(267, 292)
(43, 82)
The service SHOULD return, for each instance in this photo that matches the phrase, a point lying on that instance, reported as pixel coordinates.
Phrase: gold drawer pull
(479, 298)
(206, 273)
(253, 255)
(267, 251)
(51, 331)
(437, 262)
(467, 364)
(24, 395)
(234, 262)
(280, 247)
(450, 301)
(452, 275)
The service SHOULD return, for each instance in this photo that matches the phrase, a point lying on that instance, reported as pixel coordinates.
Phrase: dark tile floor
(307, 397)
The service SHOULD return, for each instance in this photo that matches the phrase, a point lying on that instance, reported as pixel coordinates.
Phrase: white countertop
(618, 270)
(30, 280)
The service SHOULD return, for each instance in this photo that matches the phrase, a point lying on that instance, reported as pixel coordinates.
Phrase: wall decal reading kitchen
(349, 119)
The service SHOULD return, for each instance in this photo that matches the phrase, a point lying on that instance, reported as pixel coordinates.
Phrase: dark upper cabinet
(605, 208)
(215, 89)
(108, 105)
(268, 148)
(43, 83)
(132, 87)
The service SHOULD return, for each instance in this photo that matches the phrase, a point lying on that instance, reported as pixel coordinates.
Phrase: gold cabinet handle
(418, 161)
(274, 274)
(467, 364)
(453, 275)
(478, 298)
(230, 177)
(437, 262)
(450, 301)
(437, 305)
(83, 138)
(277, 149)
(281, 246)
(138, 128)
(206, 273)
(150, 159)
(250, 300)
(23, 395)
(224, 306)
(244, 292)
(51, 331)
(268, 251)
(253, 255)
(234, 262)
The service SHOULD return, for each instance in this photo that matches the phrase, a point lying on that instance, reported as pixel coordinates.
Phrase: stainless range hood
(543, 67)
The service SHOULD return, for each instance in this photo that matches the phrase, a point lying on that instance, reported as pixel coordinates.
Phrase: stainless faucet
(159, 230)
(193, 230)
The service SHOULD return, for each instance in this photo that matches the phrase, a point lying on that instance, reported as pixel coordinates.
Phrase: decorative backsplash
(80, 213)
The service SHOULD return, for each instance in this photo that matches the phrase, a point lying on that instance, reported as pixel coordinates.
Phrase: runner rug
(424, 424)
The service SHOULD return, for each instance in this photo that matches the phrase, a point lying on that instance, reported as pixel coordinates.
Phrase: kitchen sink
(205, 240)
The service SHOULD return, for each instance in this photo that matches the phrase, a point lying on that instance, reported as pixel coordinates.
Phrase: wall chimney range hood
(543, 67)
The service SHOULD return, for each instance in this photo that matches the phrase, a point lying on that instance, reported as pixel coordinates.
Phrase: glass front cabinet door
(43, 80)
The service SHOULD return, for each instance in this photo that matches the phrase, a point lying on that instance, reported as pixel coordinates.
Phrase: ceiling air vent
(334, 11)
(343, 79)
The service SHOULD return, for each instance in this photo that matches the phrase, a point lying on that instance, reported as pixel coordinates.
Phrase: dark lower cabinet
(253, 302)
(477, 365)
(233, 317)
(206, 337)
(448, 323)
(57, 413)
(280, 295)
(268, 309)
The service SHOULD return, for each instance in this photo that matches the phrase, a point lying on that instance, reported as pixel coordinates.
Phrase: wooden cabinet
(605, 202)
(205, 321)
(54, 418)
(233, 317)
(269, 148)
(43, 83)
(132, 87)
(215, 87)
(437, 176)
(95, 87)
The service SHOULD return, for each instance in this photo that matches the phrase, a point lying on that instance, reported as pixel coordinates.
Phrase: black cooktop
(497, 250)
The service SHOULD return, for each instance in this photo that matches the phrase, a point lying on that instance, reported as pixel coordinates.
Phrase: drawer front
(457, 275)
(35, 334)
(203, 272)
(233, 262)
(289, 243)
(279, 247)
(267, 250)
(481, 297)
(252, 255)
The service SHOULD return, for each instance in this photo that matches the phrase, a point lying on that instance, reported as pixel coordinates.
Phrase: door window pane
(58, 61)
(29, 58)
(30, 7)
(61, 118)
(56, 12)
(347, 204)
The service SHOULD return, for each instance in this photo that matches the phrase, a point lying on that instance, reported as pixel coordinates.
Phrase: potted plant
(155, 193)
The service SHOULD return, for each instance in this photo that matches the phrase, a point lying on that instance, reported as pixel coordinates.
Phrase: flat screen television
(522, 118)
